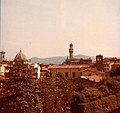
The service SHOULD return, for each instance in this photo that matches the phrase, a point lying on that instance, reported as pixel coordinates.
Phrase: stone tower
(71, 51)
(99, 62)
(2, 55)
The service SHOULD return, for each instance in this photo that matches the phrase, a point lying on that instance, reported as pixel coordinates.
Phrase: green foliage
(92, 93)
(54, 93)
(51, 95)
(103, 105)
(113, 84)
(28, 99)
(115, 72)
(20, 69)
(104, 89)
(22, 86)
(57, 94)
(88, 95)
(118, 99)
(103, 99)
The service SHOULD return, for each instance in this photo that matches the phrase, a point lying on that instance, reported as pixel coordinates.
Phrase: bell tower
(71, 51)
(2, 55)
(99, 62)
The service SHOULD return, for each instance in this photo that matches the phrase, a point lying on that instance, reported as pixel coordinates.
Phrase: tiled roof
(95, 78)
(67, 66)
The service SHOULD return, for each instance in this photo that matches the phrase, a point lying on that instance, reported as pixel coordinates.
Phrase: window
(73, 74)
(66, 74)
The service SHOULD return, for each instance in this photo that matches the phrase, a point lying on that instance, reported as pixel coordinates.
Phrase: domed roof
(20, 56)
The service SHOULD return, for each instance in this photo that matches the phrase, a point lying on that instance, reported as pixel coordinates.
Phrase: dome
(20, 56)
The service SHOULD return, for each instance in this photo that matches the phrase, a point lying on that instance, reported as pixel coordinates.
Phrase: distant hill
(56, 60)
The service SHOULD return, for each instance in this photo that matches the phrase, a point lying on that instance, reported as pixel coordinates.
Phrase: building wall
(37, 70)
(2, 70)
(67, 73)
(110, 66)
(106, 67)
(86, 73)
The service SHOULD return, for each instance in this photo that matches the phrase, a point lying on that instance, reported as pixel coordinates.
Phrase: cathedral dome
(20, 56)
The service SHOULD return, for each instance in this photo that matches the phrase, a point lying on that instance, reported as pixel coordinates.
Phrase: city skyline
(46, 28)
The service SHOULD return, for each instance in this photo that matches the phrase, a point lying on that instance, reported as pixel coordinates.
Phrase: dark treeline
(23, 93)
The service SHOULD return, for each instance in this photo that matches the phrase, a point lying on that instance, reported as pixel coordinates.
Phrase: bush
(113, 84)
(115, 72)
(56, 93)
(104, 89)
(87, 95)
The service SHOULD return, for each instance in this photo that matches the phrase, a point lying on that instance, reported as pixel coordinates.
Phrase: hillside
(56, 60)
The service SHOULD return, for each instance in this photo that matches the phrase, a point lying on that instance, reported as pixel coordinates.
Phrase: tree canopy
(23, 89)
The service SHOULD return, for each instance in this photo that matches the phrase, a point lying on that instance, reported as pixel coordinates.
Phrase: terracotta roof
(112, 59)
(67, 66)
(116, 64)
(44, 69)
(3, 64)
(95, 78)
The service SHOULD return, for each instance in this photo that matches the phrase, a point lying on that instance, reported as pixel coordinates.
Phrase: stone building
(77, 71)
(2, 55)
(68, 71)
(99, 62)
(2, 70)
(106, 64)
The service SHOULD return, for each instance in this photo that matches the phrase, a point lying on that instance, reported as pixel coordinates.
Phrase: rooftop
(68, 66)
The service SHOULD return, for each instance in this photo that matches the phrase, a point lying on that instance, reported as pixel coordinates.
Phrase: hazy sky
(45, 28)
